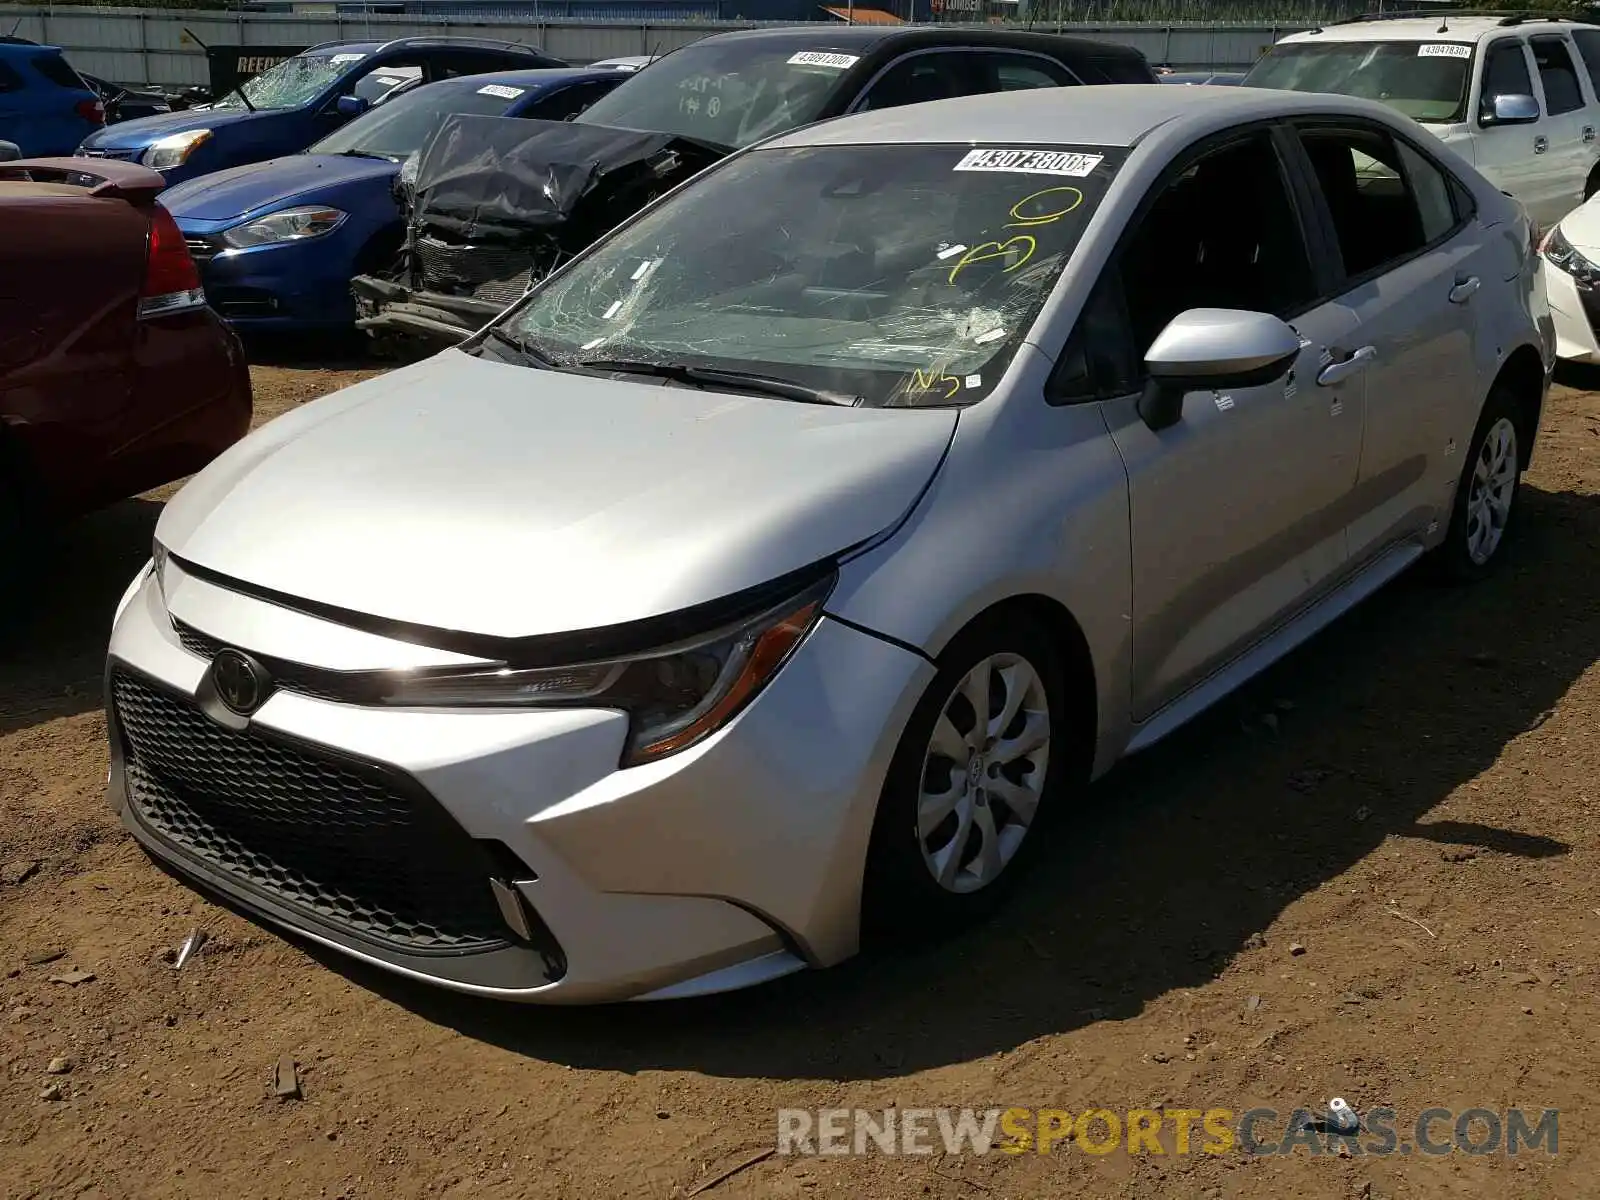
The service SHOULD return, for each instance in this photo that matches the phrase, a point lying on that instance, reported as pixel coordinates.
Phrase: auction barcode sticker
(820, 58)
(1071, 163)
(501, 90)
(1443, 50)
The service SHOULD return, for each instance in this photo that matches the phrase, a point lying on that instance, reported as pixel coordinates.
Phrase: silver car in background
(773, 573)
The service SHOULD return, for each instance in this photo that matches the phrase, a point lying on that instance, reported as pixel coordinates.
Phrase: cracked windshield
(292, 82)
(724, 93)
(892, 276)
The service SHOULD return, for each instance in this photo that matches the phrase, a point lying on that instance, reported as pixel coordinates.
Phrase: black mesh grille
(121, 155)
(484, 272)
(335, 841)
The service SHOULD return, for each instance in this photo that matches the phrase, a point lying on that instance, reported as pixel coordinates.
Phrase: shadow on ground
(1169, 867)
(53, 656)
(1177, 857)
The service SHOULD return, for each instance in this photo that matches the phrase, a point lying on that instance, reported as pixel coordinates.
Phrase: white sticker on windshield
(821, 58)
(337, 59)
(501, 90)
(389, 80)
(951, 251)
(974, 381)
(1443, 50)
(1070, 163)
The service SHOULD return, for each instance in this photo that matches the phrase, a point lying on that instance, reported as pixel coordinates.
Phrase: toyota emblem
(241, 683)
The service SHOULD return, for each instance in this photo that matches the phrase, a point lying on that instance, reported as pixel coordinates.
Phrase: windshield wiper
(767, 385)
(239, 92)
(367, 154)
(527, 353)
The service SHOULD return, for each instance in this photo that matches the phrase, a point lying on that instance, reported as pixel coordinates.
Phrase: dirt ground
(1375, 875)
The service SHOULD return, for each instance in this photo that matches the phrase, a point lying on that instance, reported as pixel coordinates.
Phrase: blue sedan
(279, 241)
(304, 98)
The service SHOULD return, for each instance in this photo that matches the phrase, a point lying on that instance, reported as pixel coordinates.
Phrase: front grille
(108, 152)
(286, 676)
(489, 273)
(339, 842)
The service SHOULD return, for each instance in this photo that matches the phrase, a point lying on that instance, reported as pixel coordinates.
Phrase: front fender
(1031, 500)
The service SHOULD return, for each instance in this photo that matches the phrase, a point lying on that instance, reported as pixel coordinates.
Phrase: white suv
(1518, 97)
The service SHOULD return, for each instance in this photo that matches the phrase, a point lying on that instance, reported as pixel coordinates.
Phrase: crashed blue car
(300, 101)
(277, 242)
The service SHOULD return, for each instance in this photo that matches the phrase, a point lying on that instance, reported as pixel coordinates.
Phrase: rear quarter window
(55, 69)
(10, 81)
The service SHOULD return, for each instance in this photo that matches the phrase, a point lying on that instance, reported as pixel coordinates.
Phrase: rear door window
(1562, 92)
(10, 81)
(1023, 72)
(1588, 43)
(54, 68)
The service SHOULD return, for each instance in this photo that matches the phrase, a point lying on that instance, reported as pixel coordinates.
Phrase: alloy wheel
(983, 773)
(1494, 485)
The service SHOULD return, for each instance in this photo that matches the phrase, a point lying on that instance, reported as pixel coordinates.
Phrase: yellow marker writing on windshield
(1022, 245)
(1053, 203)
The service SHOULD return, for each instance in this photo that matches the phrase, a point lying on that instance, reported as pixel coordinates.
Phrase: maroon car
(114, 375)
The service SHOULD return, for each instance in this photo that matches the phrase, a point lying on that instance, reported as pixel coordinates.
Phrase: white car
(1569, 264)
(1518, 97)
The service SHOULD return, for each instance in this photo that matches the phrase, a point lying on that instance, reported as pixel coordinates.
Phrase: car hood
(142, 131)
(484, 498)
(239, 190)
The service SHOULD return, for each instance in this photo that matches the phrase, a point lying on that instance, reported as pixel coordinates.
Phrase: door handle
(1338, 372)
(1588, 133)
(1541, 144)
(1464, 289)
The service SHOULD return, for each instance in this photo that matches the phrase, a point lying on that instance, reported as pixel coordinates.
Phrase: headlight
(674, 696)
(290, 225)
(174, 149)
(1561, 255)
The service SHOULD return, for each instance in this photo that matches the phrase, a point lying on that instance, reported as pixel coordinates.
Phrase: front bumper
(285, 287)
(387, 308)
(730, 863)
(1575, 312)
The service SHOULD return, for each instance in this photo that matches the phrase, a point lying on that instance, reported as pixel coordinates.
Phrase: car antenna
(193, 37)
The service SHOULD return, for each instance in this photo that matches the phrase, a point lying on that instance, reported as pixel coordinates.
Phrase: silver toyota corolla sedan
(768, 577)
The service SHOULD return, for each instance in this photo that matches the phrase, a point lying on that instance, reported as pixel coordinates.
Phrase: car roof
(343, 48)
(531, 77)
(1428, 29)
(1103, 115)
(29, 48)
(864, 37)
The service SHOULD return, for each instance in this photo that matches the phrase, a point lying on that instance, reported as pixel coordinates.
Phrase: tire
(1484, 509)
(903, 896)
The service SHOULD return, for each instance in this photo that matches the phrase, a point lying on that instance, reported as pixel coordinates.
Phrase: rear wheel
(1486, 493)
(977, 773)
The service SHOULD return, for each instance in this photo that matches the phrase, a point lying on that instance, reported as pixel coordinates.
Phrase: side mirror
(1514, 109)
(1213, 348)
(350, 106)
(10, 152)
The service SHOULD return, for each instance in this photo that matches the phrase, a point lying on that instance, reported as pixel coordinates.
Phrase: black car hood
(516, 182)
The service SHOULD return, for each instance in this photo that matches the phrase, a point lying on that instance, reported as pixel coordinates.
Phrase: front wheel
(976, 773)
(1486, 494)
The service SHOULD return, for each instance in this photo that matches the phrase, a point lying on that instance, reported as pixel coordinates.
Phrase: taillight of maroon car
(171, 280)
(92, 111)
